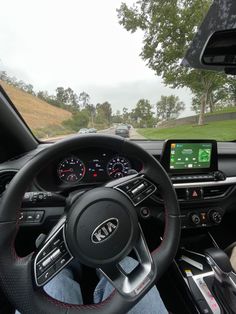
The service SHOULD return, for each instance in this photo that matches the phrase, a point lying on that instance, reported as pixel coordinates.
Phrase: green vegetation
(78, 121)
(168, 28)
(52, 131)
(219, 130)
(223, 110)
(81, 111)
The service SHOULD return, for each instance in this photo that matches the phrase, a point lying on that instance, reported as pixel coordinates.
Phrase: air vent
(216, 191)
(5, 179)
(181, 194)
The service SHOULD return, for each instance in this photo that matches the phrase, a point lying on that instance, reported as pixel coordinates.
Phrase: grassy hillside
(43, 118)
(219, 130)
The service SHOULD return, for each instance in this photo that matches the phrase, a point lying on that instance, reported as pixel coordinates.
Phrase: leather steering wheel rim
(16, 273)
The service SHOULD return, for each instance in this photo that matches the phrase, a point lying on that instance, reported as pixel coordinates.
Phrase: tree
(29, 88)
(216, 100)
(78, 121)
(117, 117)
(169, 27)
(169, 107)
(72, 99)
(3, 75)
(104, 112)
(90, 108)
(231, 89)
(125, 115)
(84, 99)
(142, 114)
(61, 96)
(67, 97)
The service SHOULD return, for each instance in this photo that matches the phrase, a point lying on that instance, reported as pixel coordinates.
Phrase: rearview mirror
(220, 49)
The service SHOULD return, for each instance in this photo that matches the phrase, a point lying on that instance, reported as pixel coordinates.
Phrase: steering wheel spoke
(136, 187)
(130, 281)
(53, 256)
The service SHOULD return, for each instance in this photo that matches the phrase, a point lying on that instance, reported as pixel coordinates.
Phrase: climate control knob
(195, 219)
(215, 217)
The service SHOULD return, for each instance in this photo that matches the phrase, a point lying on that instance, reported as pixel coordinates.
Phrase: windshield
(77, 67)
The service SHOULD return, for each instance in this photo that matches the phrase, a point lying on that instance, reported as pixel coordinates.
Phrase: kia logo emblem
(105, 230)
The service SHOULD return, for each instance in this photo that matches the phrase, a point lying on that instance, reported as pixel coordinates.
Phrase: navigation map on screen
(190, 155)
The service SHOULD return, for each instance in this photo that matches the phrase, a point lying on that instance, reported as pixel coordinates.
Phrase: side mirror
(220, 50)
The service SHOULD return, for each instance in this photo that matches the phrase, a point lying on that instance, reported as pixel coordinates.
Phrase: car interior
(206, 198)
(93, 199)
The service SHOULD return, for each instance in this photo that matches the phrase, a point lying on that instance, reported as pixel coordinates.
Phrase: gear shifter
(225, 279)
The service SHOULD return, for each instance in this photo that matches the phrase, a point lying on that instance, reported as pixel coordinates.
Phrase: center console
(192, 166)
(206, 276)
(203, 193)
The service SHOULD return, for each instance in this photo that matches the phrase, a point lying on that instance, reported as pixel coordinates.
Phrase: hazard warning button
(195, 193)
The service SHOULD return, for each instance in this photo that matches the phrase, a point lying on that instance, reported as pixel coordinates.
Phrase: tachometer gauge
(71, 170)
(118, 167)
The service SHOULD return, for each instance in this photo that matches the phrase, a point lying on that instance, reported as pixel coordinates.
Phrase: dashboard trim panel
(229, 180)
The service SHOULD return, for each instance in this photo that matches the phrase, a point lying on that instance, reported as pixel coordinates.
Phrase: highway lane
(110, 131)
(134, 135)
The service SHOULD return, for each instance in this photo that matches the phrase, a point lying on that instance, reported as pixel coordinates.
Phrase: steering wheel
(100, 229)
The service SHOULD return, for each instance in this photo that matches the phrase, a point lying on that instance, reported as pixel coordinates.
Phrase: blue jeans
(64, 288)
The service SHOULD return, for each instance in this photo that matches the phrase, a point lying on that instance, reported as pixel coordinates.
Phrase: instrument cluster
(92, 166)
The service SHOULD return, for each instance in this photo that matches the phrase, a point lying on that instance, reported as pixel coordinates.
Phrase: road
(111, 131)
(134, 135)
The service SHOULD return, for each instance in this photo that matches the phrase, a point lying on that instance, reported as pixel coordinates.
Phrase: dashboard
(90, 167)
(203, 175)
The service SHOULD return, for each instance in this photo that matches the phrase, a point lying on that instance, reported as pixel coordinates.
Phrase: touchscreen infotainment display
(190, 155)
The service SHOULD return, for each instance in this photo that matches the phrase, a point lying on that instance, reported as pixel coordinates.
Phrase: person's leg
(64, 288)
(151, 303)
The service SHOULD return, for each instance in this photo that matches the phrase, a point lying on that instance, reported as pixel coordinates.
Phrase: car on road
(122, 130)
(92, 130)
(84, 131)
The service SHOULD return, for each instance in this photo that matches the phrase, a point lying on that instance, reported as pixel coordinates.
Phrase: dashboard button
(38, 216)
(22, 216)
(195, 193)
(195, 219)
(29, 216)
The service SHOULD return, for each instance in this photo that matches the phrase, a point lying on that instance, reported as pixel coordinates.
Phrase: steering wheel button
(62, 248)
(39, 269)
(62, 261)
(46, 276)
(138, 198)
(149, 191)
(55, 254)
(138, 189)
(127, 187)
(56, 242)
(47, 261)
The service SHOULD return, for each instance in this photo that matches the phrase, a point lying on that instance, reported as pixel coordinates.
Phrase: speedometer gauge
(118, 167)
(71, 170)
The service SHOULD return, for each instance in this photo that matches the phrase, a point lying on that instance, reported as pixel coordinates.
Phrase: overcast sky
(80, 44)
